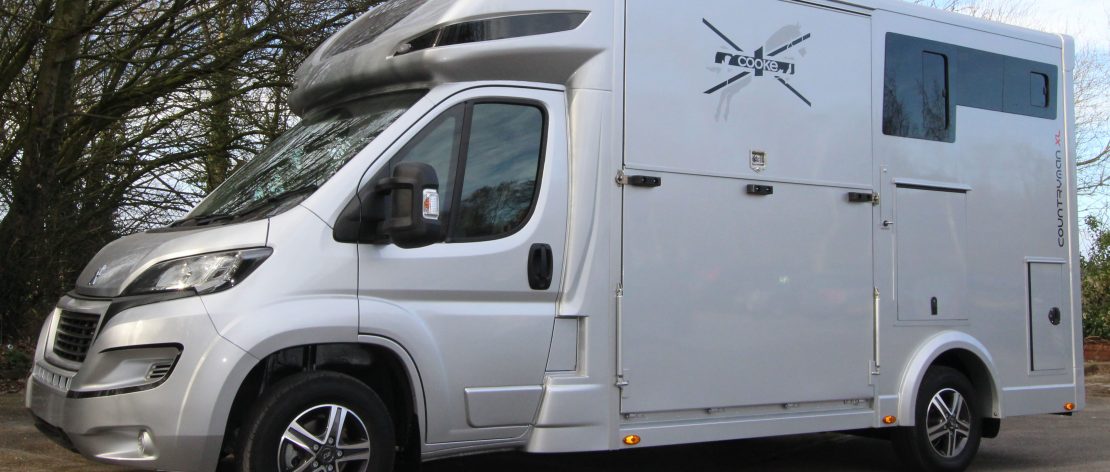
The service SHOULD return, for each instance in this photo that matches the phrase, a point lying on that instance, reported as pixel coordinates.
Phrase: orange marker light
(890, 419)
(1069, 406)
(631, 440)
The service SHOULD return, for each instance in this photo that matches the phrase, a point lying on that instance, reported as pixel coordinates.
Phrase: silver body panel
(716, 279)
(688, 312)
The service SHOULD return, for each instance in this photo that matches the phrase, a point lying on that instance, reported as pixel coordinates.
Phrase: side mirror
(413, 217)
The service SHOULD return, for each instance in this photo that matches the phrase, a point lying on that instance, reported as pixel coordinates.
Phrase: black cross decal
(759, 63)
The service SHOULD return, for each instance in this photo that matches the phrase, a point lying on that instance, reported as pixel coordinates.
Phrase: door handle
(541, 265)
(862, 197)
(761, 190)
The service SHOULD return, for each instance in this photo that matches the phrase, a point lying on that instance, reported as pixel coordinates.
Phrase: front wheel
(947, 429)
(318, 422)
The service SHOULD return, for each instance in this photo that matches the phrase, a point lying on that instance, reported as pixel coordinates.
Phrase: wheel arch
(959, 351)
(380, 363)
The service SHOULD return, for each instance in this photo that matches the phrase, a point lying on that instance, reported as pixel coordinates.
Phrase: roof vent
(491, 29)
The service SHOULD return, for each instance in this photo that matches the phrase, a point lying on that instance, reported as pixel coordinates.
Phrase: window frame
(946, 73)
(1044, 95)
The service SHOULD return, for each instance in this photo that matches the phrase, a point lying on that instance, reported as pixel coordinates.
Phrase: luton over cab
(603, 225)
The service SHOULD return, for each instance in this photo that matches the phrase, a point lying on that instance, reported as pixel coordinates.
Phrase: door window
(488, 157)
(502, 169)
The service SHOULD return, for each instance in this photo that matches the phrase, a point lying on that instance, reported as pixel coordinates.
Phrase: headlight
(206, 273)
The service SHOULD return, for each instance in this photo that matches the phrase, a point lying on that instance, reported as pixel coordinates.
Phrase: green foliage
(14, 360)
(1095, 269)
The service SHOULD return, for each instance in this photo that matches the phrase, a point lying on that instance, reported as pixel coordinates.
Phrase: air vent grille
(159, 370)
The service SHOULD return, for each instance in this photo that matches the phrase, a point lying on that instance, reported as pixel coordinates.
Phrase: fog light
(1069, 406)
(631, 440)
(146, 443)
(890, 419)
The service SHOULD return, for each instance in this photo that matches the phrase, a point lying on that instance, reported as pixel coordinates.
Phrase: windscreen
(301, 160)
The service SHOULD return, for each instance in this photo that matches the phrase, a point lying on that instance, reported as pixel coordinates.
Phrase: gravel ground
(24, 449)
(1075, 443)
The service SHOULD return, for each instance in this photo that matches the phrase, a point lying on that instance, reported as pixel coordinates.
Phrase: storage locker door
(1049, 316)
(931, 254)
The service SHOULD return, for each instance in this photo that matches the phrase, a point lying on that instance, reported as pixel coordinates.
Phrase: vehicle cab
(417, 215)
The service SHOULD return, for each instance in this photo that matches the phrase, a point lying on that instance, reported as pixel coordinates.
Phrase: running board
(662, 433)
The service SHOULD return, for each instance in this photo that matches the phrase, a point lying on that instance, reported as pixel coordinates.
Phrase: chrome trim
(53, 377)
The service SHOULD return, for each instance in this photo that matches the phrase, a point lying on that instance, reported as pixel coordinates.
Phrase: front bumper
(177, 424)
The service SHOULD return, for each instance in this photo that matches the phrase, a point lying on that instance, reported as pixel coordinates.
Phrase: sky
(1087, 20)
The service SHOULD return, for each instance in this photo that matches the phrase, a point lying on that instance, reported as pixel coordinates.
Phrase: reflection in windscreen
(306, 156)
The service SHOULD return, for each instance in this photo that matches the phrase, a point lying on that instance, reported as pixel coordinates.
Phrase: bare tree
(117, 115)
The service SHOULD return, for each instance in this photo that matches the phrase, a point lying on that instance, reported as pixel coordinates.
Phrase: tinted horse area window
(916, 101)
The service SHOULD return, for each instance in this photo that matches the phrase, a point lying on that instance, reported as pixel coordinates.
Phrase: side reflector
(1069, 406)
(890, 419)
(631, 440)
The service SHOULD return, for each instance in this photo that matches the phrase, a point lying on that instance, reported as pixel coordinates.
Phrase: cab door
(478, 308)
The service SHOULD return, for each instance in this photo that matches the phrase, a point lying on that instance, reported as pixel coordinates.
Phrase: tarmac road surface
(1077, 443)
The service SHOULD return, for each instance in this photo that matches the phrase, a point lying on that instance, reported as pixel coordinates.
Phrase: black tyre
(318, 422)
(947, 422)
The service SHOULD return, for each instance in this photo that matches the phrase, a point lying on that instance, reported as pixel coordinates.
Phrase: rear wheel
(947, 427)
(318, 422)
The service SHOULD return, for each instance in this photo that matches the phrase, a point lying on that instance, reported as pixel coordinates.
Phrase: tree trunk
(221, 132)
(30, 231)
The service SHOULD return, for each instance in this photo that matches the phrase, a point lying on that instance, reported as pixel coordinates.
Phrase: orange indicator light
(1069, 406)
(631, 440)
(890, 419)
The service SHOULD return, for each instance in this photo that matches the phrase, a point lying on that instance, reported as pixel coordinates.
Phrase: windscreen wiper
(201, 220)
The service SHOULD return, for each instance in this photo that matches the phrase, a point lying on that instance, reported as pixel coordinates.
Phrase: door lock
(1054, 316)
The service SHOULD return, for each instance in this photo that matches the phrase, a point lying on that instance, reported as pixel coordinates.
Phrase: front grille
(75, 335)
